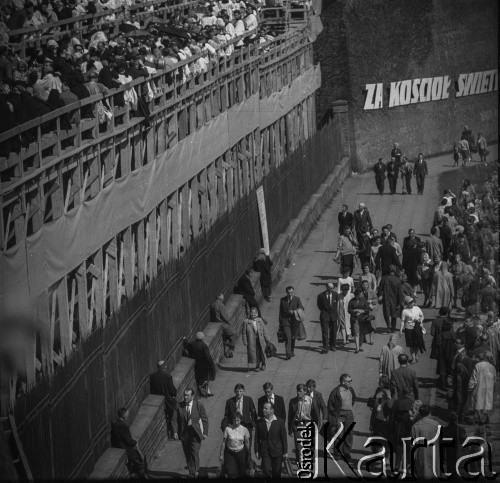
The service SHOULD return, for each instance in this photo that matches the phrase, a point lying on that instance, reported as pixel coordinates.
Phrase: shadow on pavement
(234, 369)
(164, 474)
(307, 348)
(426, 382)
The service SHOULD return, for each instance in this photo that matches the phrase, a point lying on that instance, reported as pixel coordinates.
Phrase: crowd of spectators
(79, 65)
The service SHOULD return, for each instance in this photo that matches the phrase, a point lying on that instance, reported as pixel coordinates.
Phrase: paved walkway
(312, 266)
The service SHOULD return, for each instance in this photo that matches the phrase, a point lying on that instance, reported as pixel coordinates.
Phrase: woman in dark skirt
(411, 323)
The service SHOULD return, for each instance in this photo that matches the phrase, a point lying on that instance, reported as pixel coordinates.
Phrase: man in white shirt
(250, 20)
(239, 26)
(299, 415)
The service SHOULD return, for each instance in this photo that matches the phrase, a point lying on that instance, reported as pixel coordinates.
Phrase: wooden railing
(38, 36)
(30, 176)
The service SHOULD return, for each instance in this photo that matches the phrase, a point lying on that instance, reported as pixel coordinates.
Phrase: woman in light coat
(481, 388)
(255, 339)
(442, 287)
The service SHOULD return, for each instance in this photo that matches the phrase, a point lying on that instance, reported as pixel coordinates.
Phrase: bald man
(328, 317)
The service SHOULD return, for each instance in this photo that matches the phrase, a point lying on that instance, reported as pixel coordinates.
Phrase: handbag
(281, 335)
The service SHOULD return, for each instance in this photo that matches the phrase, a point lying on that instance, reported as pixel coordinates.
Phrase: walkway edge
(112, 462)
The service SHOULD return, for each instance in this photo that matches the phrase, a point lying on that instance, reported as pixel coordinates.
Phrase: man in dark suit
(393, 174)
(362, 219)
(240, 404)
(319, 411)
(328, 305)
(300, 413)
(271, 444)
(244, 287)
(403, 377)
(122, 438)
(190, 423)
(287, 320)
(387, 256)
(161, 384)
(420, 172)
(408, 240)
(391, 297)
(379, 170)
(345, 219)
(269, 396)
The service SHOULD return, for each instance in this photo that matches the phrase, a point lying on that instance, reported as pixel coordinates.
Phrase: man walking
(403, 377)
(396, 153)
(340, 410)
(288, 321)
(391, 298)
(218, 313)
(346, 250)
(299, 413)
(406, 175)
(240, 404)
(328, 306)
(277, 401)
(161, 384)
(393, 174)
(482, 147)
(379, 170)
(190, 423)
(362, 219)
(420, 171)
(387, 255)
(319, 412)
(271, 443)
(345, 219)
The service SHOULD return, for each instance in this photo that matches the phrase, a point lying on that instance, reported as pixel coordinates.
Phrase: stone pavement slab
(310, 268)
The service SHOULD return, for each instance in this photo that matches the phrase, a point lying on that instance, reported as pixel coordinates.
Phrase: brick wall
(385, 41)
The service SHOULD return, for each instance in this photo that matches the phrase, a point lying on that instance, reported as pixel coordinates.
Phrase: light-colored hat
(362, 204)
(408, 299)
(160, 363)
(52, 43)
(200, 336)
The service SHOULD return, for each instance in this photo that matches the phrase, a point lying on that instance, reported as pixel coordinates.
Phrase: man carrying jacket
(340, 410)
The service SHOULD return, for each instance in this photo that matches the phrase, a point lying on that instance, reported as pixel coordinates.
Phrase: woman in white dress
(411, 323)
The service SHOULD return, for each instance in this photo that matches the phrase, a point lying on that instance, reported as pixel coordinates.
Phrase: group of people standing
(455, 268)
(400, 167)
(468, 145)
